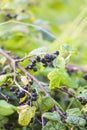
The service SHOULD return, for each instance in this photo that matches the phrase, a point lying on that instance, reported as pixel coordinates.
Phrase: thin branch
(32, 77)
(29, 75)
(75, 68)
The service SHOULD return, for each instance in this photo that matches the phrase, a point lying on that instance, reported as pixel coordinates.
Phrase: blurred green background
(65, 21)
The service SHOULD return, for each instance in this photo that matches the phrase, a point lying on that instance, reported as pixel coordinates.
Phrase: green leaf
(54, 79)
(76, 120)
(2, 60)
(52, 116)
(39, 51)
(4, 77)
(3, 121)
(46, 103)
(54, 126)
(26, 113)
(59, 62)
(60, 77)
(6, 108)
(73, 111)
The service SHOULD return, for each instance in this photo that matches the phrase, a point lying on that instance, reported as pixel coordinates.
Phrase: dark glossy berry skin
(34, 98)
(34, 69)
(29, 97)
(45, 64)
(47, 56)
(5, 84)
(26, 87)
(43, 60)
(53, 57)
(34, 94)
(17, 57)
(38, 58)
(8, 15)
(20, 103)
(31, 82)
(33, 61)
(83, 102)
(34, 90)
(21, 94)
(28, 103)
(12, 89)
(56, 53)
(85, 76)
(31, 66)
(27, 67)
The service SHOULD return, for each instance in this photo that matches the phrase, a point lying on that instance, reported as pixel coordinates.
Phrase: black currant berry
(30, 66)
(56, 53)
(34, 90)
(27, 67)
(34, 98)
(85, 76)
(12, 89)
(5, 84)
(53, 57)
(26, 87)
(45, 64)
(83, 102)
(43, 60)
(34, 94)
(34, 69)
(21, 94)
(33, 61)
(20, 103)
(38, 58)
(28, 103)
(29, 97)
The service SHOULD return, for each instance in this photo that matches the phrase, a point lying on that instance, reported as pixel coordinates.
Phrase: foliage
(43, 75)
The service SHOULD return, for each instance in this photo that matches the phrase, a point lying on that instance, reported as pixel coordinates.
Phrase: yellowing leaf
(26, 113)
(85, 108)
(54, 79)
(24, 80)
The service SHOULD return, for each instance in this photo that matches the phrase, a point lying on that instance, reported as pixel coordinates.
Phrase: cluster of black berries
(21, 94)
(83, 101)
(10, 16)
(47, 60)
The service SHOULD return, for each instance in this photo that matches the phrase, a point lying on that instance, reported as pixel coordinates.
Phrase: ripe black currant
(43, 60)
(34, 90)
(38, 58)
(83, 102)
(12, 89)
(33, 61)
(56, 53)
(5, 84)
(85, 76)
(34, 69)
(45, 64)
(21, 94)
(29, 97)
(34, 98)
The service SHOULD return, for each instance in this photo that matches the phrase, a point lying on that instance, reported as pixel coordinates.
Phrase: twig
(75, 68)
(28, 74)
